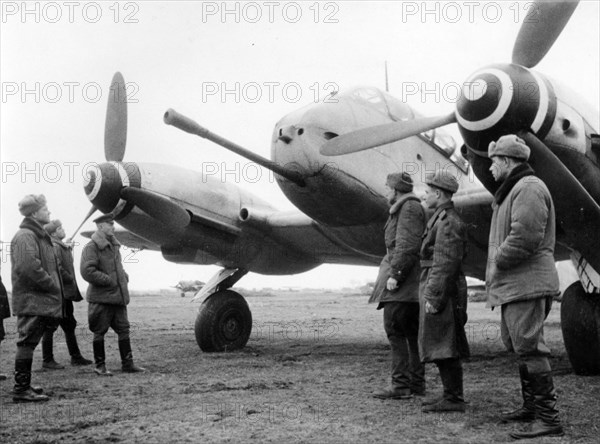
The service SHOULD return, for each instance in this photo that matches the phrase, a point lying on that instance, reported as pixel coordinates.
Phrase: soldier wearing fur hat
(107, 294)
(37, 296)
(521, 278)
(71, 293)
(443, 293)
(397, 288)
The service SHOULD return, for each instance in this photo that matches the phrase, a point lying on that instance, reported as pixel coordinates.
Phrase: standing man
(71, 293)
(397, 287)
(443, 293)
(37, 291)
(107, 294)
(521, 278)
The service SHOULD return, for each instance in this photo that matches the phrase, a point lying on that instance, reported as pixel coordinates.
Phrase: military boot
(127, 364)
(417, 369)
(525, 413)
(100, 358)
(22, 391)
(394, 393)
(73, 347)
(547, 422)
(452, 378)
(432, 400)
(400, 371)
(48, 353)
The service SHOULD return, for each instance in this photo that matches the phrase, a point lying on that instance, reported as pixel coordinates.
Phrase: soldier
(521, 278)
(37, 291)
(397, 287)
(4, 313)
(443, 293)
(107, 294)
(71, 293)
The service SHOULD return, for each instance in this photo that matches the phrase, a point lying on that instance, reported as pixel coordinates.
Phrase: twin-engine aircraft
(190, 218)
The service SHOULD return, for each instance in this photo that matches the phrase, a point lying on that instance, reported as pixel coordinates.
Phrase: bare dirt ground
(307, 375)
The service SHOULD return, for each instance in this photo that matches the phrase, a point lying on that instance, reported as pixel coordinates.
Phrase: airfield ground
(307, 375)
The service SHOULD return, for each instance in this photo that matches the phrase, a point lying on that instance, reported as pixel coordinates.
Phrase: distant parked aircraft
(185, 286)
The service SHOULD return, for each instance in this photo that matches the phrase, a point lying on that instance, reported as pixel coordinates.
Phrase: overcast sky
(57, 60)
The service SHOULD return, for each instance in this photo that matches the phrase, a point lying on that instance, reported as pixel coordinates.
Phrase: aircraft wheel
(224, 322)
(580, 323)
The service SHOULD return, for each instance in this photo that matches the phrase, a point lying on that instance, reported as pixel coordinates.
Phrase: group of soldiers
(44, 289)
(423, 291)
(421, 288)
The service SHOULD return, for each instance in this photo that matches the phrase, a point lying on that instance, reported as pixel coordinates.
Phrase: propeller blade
(115, 130)
(157, 206)
(373, 136)
(542, 25)
(88, 215)
(577, 211)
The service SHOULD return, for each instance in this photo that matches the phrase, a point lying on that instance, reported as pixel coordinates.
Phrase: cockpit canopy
(398, 111)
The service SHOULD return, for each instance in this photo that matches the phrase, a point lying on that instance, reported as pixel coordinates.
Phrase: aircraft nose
(502, 99)
(103, 184)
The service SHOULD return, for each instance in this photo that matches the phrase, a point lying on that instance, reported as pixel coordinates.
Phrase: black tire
(224, 322)
(580, 323)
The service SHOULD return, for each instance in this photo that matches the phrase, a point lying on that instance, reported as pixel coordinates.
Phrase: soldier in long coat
(521, 278)
(37, 291)
(397, 287)
(72, 294)
(443, 293)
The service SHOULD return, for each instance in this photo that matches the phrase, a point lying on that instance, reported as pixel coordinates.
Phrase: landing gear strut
(580, 322)
(224, 322)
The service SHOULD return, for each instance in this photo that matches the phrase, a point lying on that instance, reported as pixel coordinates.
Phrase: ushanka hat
(52, 226)
(509, 146)
(401, 182)
(31, 203)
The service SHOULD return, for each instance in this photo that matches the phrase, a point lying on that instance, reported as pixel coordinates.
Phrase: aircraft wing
(129, 239)
(302, 234)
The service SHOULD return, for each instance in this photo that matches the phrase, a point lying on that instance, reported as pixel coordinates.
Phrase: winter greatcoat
(522, 234)
(443, 285)
(102, 267)
(403, 232)
(67, 270)
(37, 287)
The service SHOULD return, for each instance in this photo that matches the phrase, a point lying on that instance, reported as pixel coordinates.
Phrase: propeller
(542, 25)
(115, 136)
(373, 136)
(157, 206)
(578, 209)
(88, 215)
(115, 130)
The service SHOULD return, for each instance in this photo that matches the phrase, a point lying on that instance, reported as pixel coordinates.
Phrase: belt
(426, 264)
